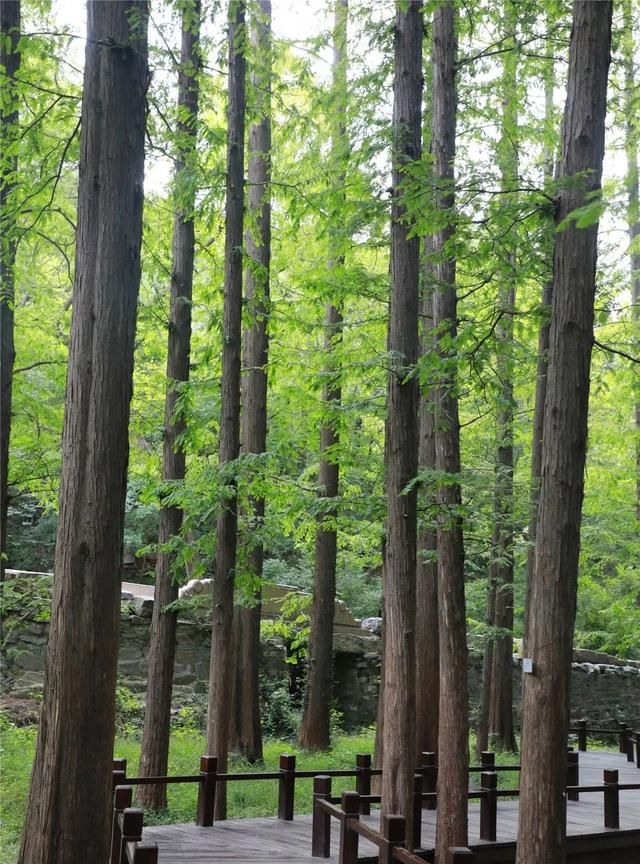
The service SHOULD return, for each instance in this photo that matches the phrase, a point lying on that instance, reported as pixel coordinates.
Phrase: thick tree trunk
(154, 753)
(221, 670)
(246, 733)
(427, 626)
(401, 446)
(10, 62)
(453, 736)
(68, 814)
(633, 208)
(500, 720)
(542, 360)
(542, 829)
(315, 731)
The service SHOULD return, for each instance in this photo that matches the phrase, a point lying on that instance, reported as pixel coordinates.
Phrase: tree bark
(154, 755)
(246, 731)
(542, 359)
(500, 720)
(221, 670)
(315, 728)
(453, 736)
(401, 446)
(10, 62)
(68, 813)
(427, 625)
(633, 208)
(542, 829)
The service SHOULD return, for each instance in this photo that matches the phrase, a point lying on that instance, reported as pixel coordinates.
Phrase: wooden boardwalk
(247, 841)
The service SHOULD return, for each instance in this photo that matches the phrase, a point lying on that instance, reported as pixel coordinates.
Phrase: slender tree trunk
(543, 358)
(401, 446)
(482, 729)
(221, 671)
(427, 625)
(246, 731)
(453, 736)
(10, 62)
(501, 735)
(68, 817)
(542, 828)
(314, 731)
(633, 208)
(154, 753)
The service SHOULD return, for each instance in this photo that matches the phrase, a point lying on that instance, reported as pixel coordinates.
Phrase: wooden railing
(127, 846)
(348, 808)
(628, 739)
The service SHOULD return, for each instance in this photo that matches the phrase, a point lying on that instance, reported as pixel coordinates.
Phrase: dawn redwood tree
(453, 733)
(542, 362)
(401, 444)
(246, 734)
(552, 596)
(154, 753)
(500, 703)
(221, 670)
(314, 731)
(10, 65)
(633, 205)
(67, 818)
(427, 623)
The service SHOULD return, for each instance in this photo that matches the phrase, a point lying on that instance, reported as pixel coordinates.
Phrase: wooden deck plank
(247, 841)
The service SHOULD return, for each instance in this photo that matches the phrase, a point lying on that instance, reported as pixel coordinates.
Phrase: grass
(259, 798)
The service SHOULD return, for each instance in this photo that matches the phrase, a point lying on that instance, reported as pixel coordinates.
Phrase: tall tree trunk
(633, 207)
(154, 753)
(401, 446)
(246, 732)
(482, 728)
(453, 736)
(314, 731)
(543, 355)
(542, 829)
(427, 625)
(10, 62)
(67, 817)
(500, 723)
(221, 670)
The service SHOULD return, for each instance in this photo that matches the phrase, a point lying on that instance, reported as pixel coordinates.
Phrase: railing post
(394, 831)
(488, 760)
(207, 791)
(582, 736)
(122, 798)
(145, 853)
(286, 787)
(363, 780)
(429, 778)
(131, 821)
(349, 839)
(573, 774)
(321, 824)
(637, 737)
(611, 800)
(623, 737)
(629, 745)
(416, 840)
(459, 855)
(488, 806)
(119, 773)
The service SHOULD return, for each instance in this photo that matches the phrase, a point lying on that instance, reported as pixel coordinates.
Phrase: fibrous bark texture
(221, 671)
(545, 712)
(10, 63)
(401, 445)
(246, 734)
(154, 753)
(314, 731)
(451, 828)
(427, 626)
(68, 811)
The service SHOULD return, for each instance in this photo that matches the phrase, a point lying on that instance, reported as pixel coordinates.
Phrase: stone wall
(603, 688)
